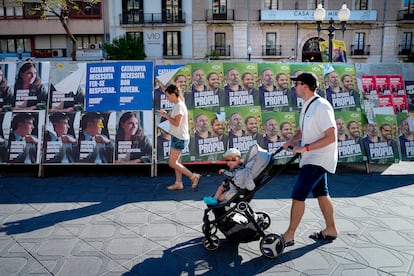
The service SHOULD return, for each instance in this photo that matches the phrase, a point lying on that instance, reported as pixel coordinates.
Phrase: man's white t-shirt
(180, 131)
(318, 118)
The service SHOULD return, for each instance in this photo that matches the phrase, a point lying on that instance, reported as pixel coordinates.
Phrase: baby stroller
(236, 219)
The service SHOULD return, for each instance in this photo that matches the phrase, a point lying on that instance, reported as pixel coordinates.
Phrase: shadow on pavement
(191, 258)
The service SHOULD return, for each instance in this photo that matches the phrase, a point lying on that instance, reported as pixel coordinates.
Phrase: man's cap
(232, 152)
(307, 78)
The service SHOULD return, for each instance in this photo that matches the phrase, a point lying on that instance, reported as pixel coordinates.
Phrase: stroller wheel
(263, 220)
(272, 246)
(213, 229)
(211, 243)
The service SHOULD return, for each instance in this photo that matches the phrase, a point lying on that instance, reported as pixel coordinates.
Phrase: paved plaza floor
(131, 225)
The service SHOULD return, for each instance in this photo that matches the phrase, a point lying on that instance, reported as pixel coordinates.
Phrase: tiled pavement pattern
(131, 225)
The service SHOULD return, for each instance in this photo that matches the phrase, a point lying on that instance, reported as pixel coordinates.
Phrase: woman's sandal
(194, 180)
(175, 186)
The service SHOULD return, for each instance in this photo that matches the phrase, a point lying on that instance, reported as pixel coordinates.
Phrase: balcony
(272, 51)
(221, 51)
(212, 15)
(360, 51)
(406, 15)
(405, 50)
(151, 18)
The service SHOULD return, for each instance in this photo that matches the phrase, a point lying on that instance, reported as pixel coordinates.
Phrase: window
(361, 4)
(86, 9)
(10, 9)
(220, 43)
(172, 10)
(219, 7)
(407, 39)
(316, 2)
(9, 45)
(136, 34)
(132, 11)
(89, 41)
(408, 4)
(32, 9)
(271, 43)
(172, 44)
(359, 42)
(271, 4)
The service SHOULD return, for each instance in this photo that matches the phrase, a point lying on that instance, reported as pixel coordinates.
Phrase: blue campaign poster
(119, 86)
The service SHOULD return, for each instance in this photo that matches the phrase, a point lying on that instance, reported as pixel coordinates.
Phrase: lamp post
(249, 51)
(343, 16)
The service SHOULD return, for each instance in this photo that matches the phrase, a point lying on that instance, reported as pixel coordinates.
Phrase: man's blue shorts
(311, 178)
(178, 144)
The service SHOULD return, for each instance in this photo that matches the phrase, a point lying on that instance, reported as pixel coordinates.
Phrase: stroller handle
(296, 156)
(280, 149)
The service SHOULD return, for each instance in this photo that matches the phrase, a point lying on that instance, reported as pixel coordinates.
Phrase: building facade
(25, 33)
(189, 30)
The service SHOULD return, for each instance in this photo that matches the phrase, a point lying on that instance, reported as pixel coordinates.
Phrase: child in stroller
(237, 177)
(235, 218)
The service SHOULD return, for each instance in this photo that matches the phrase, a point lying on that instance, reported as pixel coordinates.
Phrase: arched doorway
(310, 51)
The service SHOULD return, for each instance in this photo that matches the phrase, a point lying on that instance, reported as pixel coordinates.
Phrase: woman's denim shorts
(178, 144)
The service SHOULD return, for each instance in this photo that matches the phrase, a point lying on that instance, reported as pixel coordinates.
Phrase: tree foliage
(61, 9)
(125, 47)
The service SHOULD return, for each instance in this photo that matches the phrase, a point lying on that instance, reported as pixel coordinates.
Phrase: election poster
(371, 100)
(208, 142)
(338, 50)
(244, 127)
(380, 141)
(382, 84)
(7, 78)
(349, 133)
(206, 87)
(67, 87)
(25, 137)
(96, 138)
(295, 70)
(406, 135)
(278, 127)
(341, 87)
(119, 86)
(274, 86)
(399, 96)
(133, 138)
(160, 100)
(31, 85)
(60, 137)
(240, 88)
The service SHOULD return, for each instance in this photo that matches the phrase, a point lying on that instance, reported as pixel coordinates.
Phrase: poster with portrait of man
(278, 128)
(25, 137)
(96, 138)
(207, 143)
(240, 88)
(60, 137)
(406, 135)
(296, 69)
(206, 86)
(244, 127)
(380, 142)
(349, 132)
(274, 86)
(341, 87)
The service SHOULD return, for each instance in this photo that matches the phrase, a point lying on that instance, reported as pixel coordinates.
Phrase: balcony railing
(404, 50)
(272, 51)
(406, 15)
(360, 51)
(227, 15)
(151, 18)
(222, 51)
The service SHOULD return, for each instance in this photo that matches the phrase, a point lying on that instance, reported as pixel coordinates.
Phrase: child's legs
(220, 193)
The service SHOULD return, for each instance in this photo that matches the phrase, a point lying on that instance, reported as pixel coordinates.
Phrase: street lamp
(249, 51)
(319, 16)
(20, 52)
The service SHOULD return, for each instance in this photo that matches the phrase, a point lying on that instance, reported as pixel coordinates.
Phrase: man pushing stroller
(235, 178)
